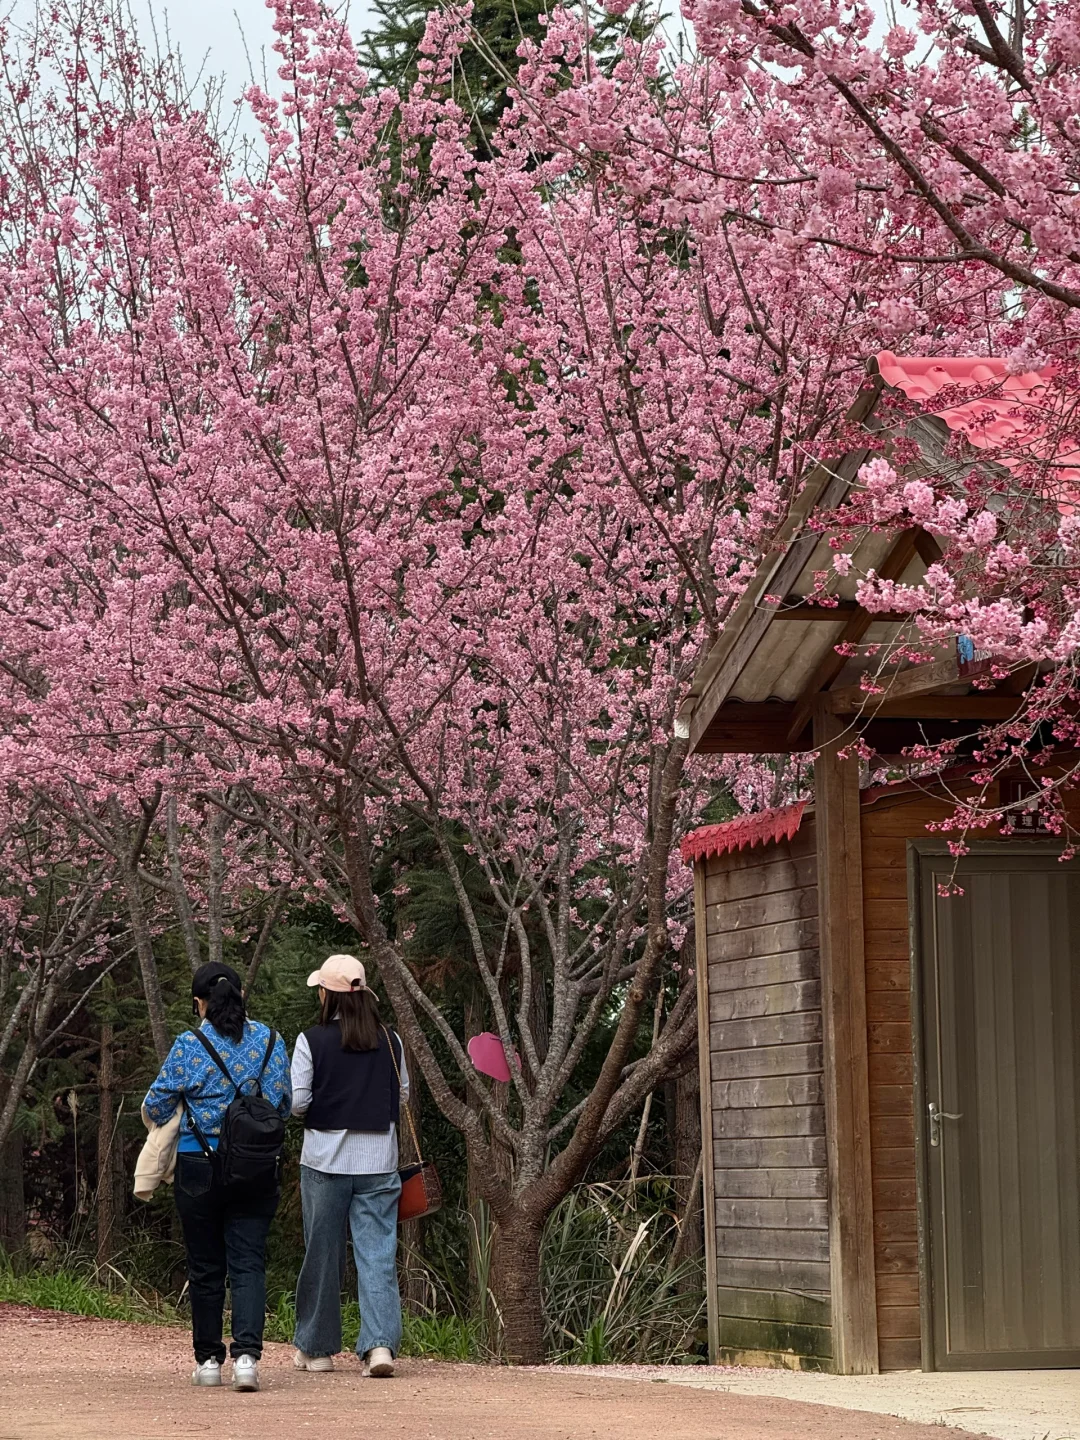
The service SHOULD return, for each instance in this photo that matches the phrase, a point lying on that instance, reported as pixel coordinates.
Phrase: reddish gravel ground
(66, 1378)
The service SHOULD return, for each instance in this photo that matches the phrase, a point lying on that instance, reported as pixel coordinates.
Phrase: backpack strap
(270, 1043)
(220, 1063)
(204, 1145)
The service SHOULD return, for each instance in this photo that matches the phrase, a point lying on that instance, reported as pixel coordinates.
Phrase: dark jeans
(225, 1236)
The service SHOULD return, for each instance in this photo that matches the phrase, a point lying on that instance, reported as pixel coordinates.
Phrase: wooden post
(847, 1089)
(708, 1174)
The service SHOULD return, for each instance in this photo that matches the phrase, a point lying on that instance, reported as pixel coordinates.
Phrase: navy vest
(351, 1089)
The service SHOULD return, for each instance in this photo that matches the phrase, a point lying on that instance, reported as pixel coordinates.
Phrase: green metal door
(1000, 1096)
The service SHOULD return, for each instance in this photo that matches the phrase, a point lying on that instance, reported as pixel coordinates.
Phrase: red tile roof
(763, 828)
(1010, 411)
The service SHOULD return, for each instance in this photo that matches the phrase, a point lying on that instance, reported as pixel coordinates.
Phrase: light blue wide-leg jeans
(368, 1204)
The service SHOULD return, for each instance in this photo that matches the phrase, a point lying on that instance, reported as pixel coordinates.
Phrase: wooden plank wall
(886, 829)
(768, 1119)
(768, 1124)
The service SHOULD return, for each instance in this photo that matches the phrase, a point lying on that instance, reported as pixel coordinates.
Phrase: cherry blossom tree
(941, 164)
(359, 488)
(62, 932)
(957, 131)
(958, 128)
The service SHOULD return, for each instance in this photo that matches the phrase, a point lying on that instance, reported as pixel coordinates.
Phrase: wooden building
(890, 1078)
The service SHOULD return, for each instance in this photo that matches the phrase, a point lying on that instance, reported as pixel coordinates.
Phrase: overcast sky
(230, 39)
(219, 36)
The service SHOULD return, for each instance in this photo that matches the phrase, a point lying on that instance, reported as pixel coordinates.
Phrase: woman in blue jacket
(225, 1229)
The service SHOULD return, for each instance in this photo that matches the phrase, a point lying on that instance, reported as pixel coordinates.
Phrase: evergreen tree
(483, 71)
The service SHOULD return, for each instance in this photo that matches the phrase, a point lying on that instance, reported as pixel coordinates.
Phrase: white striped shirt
(343, 1152)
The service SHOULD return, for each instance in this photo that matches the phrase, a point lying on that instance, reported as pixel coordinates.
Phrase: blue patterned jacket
(189, 1071)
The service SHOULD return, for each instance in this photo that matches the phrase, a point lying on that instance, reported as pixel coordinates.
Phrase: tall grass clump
(614, 1288)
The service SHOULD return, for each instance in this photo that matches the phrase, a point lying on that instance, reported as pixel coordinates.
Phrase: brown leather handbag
(421, 1189)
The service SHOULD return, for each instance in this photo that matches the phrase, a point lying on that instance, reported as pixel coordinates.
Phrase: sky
(221, 37)
(232, 41)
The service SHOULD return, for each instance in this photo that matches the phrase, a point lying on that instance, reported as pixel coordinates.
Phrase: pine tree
(483, 72)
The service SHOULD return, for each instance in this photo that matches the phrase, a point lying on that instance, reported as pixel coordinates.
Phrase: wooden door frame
(917, 852)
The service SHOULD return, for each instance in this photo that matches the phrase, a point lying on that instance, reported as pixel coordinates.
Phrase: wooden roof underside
(757, 690)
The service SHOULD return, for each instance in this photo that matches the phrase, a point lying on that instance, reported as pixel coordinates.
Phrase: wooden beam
(708, 1172)
(743, 728)
(830, 664)
(927, 548)
(746, 728)
(984, 705)
(897, 685)
(796, 608)
(1019, 680)
(824, 488)
(846, 1078)
(750, 627)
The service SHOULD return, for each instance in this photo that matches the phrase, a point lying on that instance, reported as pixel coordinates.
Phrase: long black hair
(223, 990)
(357, 1012)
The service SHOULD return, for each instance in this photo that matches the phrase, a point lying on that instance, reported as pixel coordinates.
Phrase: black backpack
(252, 1132)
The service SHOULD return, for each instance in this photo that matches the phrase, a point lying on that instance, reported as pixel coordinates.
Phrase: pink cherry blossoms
(368, 485)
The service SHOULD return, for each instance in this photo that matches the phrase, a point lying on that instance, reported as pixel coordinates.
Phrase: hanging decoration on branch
(488, 1054)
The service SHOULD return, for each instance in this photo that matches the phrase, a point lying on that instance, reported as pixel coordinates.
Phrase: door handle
(936, 1117)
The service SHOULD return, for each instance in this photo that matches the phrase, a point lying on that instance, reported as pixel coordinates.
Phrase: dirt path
(65, 1378)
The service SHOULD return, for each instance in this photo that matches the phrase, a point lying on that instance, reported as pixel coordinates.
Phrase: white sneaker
(208, 1372)
(380, 1363)
(245, 1373)
(312, 1362)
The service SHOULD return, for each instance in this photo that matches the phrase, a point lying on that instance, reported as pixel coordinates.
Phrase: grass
(432, 1337)
(614, 1290)
(78, 1292)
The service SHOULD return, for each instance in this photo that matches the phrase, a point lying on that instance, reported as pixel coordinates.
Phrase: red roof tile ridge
(1011, 411)
(763, 827)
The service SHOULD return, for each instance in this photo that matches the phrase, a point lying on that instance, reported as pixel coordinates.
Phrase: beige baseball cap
(339, 972)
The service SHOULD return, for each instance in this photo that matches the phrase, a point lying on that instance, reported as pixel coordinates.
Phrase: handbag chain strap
(407, 1107)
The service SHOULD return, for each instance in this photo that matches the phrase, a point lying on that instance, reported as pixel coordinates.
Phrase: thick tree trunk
(16, 1088)
(516, 1286)
(502, 1163)
(12, 1197)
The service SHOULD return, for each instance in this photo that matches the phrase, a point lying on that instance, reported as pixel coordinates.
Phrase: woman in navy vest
(347, 1085)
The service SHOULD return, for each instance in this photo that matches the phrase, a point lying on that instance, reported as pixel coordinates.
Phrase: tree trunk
(108, 1220)
(12, 1197)
(478, 1216)
(515, 1275)
(483, 1253)
(413, 1288)
(686, 1145)
(502, 1163)
(144, 949)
